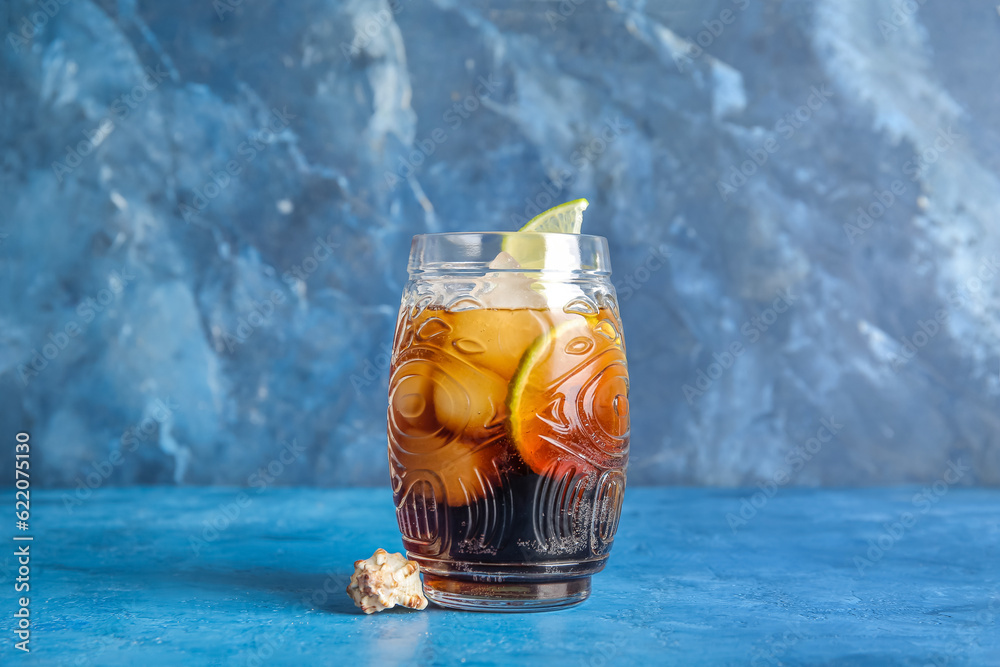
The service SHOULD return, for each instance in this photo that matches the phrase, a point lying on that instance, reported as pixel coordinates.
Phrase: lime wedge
(520, 412)
(562, 219)
(529, 251)
(566, 392)
(540, 349)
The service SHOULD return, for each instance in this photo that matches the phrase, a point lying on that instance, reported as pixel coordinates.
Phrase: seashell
(385, 580)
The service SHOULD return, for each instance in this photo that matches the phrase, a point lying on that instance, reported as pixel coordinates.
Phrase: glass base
(505, 597)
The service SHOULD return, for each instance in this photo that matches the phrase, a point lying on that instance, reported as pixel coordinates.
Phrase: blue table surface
(221, 576)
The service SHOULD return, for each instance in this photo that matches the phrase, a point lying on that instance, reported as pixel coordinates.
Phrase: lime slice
(533, 357)
(562, 219)
(567, 381)
(529, 251)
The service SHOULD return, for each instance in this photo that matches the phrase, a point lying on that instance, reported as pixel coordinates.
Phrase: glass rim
(594, 237)
(468, 253)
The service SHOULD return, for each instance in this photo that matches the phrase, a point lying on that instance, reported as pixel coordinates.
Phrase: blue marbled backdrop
(206, 209)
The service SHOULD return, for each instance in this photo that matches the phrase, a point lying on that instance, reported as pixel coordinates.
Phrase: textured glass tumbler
(508, 418)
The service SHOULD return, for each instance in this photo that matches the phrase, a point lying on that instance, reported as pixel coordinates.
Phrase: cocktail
(509, 416)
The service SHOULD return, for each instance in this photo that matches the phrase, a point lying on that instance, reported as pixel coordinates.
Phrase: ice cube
(504, 260)
(508, 288)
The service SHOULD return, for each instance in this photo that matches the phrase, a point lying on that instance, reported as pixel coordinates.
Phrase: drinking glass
(508, 418)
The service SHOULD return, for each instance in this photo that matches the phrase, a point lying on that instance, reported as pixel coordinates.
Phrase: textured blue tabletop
(223, 576)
